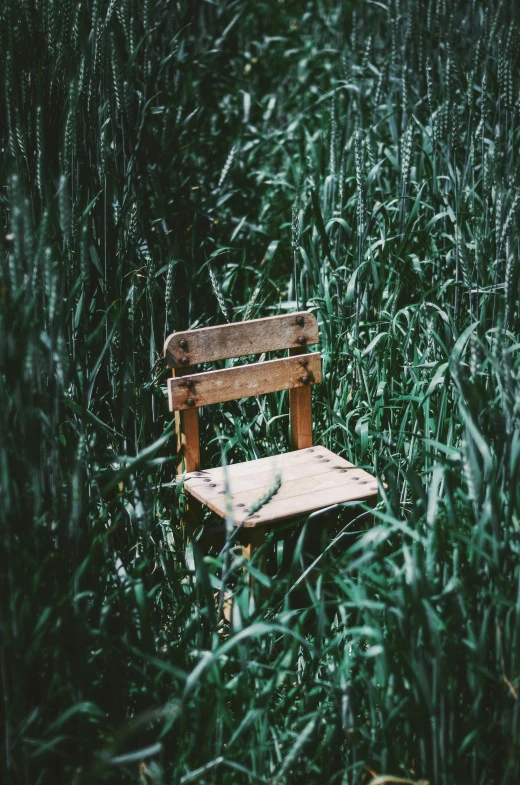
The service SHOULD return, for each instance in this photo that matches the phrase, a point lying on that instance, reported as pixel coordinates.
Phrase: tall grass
(170, 165)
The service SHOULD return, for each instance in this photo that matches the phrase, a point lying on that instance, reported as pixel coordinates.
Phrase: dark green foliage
(171, 164)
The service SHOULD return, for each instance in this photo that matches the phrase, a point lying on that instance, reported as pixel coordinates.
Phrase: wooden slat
(291, 490)
(260, 464)
(203, 389)
(211, 484)
(241, 339)
(251, 488)
(300, 411)
(236, 470)
(305, 503)
(311, 479)
(296, 499)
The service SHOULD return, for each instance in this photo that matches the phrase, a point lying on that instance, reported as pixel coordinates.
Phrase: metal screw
(241, 505)
(190, 402)
(302, 340)
(183, 344)
(184, 361)
(304, 363)
(189, 384)
(213, 485)
(305, 379)
(300, 321)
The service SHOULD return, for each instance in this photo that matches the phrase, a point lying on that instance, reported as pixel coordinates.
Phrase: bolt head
(190, 402)
(305, 379)
(189, 384)
(300, 321)
(183, 344)
(184, 361)
(302, 340)
(304, 363)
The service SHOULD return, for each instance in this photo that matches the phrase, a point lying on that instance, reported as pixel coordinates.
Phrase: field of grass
(180, 163)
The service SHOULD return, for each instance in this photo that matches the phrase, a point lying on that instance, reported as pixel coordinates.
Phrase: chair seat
(310, 480)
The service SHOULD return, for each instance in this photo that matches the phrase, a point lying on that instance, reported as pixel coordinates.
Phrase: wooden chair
(311, 477)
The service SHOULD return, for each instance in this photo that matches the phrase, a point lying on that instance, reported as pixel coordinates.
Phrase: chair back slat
(202, 389)
(208, 344)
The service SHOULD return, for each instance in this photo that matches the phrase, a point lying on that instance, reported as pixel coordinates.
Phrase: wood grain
(310, 476)
(250, 547)
(240, 339)
(187, 432)
(311, 479)
(300, 411)
(305, 503)
(257, 465)
(203, 389)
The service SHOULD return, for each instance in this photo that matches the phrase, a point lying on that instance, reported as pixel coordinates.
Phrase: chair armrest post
(300, 410)
(187, 430)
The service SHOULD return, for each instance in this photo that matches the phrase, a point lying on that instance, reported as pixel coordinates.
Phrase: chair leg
(252, 540)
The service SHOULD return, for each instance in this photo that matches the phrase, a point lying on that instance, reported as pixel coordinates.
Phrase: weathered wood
(203, 389)
(295, 479)
(256, 465)
(300, 410)
(260, 472)
(187, 432)
(305, 503)
(252, 542)
(243, 499)
(241, 339)
(317, 478)
(293, 485)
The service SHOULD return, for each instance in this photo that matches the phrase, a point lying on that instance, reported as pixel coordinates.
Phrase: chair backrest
(188, 389)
